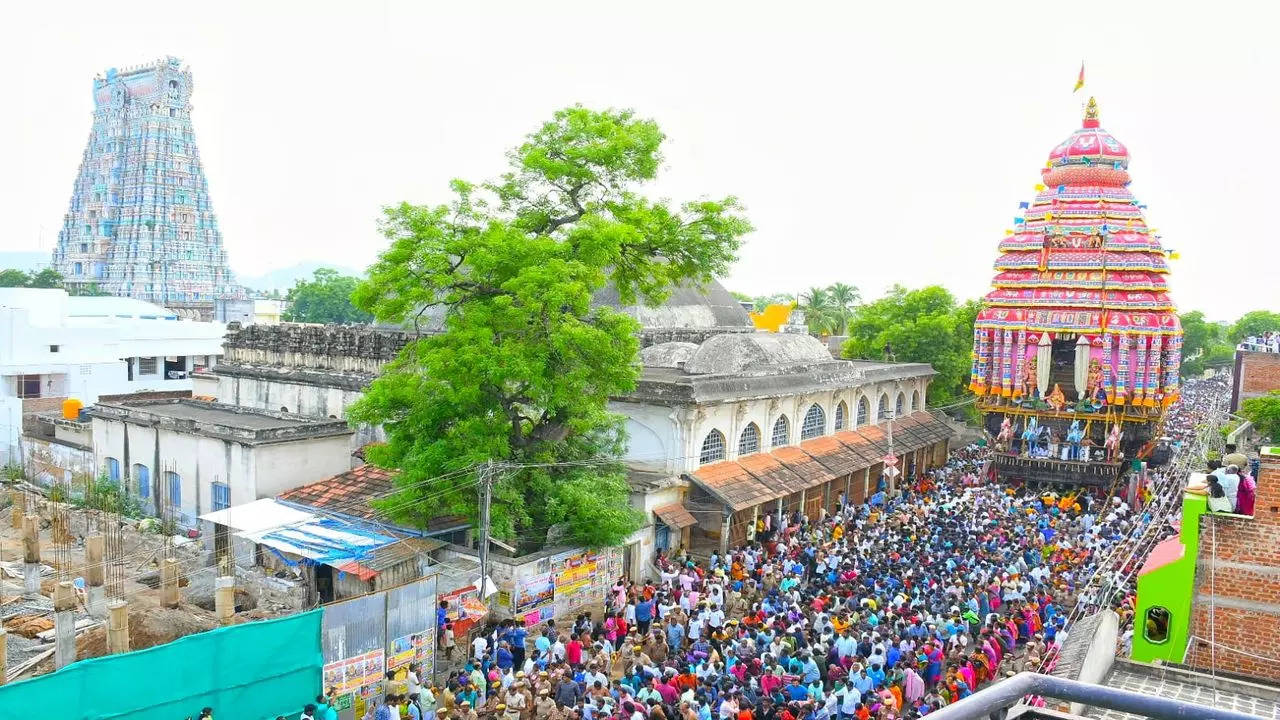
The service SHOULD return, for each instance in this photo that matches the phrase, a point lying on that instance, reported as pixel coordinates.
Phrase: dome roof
(1090, 145)
(736, 352)
(668, 354)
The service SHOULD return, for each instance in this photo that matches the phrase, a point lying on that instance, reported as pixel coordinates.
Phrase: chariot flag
(1079, 80)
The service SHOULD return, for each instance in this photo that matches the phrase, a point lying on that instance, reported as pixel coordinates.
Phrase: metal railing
(994, 702)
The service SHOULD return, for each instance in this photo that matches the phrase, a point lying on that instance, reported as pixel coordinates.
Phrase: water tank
(71, 408)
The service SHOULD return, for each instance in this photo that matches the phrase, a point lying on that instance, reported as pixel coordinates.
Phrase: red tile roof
(760, 477)
(675, 516)
(348, 493)
(833, 454)
(769, 469)
(733, 485)
(802, 464)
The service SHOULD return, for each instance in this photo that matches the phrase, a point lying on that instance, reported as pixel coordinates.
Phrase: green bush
(108, 495)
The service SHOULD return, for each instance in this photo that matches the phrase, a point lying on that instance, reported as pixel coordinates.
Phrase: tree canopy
(326, 298)
(827, 310)
(1256, 322)
(1264, 413)
(925, 325)
(525, 365)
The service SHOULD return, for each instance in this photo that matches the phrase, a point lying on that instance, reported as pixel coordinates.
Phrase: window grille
(749, 440)
(712, 448)
(815, 422)
(841, 414)
(781, 431)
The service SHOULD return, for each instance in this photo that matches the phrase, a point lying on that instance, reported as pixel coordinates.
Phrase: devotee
(894, 608)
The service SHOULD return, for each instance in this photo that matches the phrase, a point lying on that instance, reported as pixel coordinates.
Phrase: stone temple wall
(343, 348)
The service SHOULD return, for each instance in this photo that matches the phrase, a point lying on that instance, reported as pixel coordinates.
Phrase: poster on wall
(534, 592)
(350, 674)
(418, 647)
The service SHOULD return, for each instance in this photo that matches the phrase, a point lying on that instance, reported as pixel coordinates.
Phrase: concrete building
(312, 370)
(187, 457)
(248, 311)
(1257, 372)
(745, 424)
(140, 222)
(54, 346)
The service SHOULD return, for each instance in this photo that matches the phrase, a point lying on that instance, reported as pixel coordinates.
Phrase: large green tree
(525, 365)
(1253, 323)
(926, 325)
(326, 298)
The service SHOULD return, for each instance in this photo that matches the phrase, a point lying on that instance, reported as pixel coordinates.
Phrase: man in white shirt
(479, 645)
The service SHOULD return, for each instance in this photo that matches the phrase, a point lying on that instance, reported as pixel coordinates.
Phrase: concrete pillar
(117, 627)
(18, 509)
(4, 649)
(724, 533)
(169, 582)
(224, 599)
(64, 624)
(31, 556)
(94, 575)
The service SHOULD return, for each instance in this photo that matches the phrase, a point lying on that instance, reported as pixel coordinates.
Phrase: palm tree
(817, 308)
(844, 298)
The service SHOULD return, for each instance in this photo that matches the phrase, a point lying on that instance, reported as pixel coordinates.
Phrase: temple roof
(1080, 257)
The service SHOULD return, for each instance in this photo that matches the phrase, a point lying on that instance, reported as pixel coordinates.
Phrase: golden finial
(1091, 110)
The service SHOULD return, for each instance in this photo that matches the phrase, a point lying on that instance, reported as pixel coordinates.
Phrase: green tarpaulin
(244, 672)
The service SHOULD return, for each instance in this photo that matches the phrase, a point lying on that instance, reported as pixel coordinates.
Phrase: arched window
(1156, 626)
(749, 440)
(781, 431)
(915, 400)
(712, 448)
(142, 476)
(882, 412)
(815, 422)
(113, 470)
(900, 408)
(864, 412)
(842, 414)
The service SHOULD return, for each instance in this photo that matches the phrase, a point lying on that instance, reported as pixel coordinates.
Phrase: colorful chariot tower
(1076, 348)
(140, 223)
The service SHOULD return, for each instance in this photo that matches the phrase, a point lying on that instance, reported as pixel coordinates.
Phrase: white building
(54, 346)
(188, 457)
(744, 424)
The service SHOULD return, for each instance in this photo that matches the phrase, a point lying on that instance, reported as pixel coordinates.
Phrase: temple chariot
(1076, 348)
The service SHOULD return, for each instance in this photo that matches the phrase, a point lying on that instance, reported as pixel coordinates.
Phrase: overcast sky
(872, 143)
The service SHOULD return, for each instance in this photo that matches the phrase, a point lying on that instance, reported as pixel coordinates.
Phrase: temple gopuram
(1077, 347)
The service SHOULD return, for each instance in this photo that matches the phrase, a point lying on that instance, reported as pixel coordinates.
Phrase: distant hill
(285, 278)
(25, 260)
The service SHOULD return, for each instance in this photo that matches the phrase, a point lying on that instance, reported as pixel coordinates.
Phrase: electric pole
(486, 493)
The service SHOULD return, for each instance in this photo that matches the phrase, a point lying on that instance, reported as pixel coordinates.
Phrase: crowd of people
(882, 610)
(1266, 342)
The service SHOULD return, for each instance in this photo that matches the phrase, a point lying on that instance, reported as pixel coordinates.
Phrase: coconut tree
(818, 310)
(844, 298)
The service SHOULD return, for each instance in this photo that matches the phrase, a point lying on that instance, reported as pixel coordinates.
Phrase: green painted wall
(1171, 587)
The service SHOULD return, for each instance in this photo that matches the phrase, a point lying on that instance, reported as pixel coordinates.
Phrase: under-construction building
(140, 223)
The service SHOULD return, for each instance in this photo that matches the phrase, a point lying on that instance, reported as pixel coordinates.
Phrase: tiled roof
(675, 516)
(860, 446)
(761, 477)
(769, 470)
(348, 493)
(876, 438)
(733, 485)
(804, 465)
(833, 454)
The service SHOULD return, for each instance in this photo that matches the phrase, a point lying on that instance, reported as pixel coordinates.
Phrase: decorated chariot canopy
(1079, 299)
